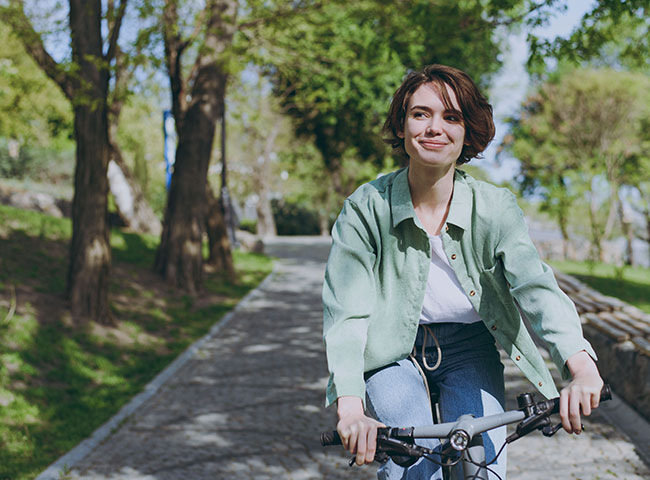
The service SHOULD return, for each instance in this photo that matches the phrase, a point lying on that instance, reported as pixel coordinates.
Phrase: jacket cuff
(345, 386)
(561, 357)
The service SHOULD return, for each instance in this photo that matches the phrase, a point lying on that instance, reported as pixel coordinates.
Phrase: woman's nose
(434, 125)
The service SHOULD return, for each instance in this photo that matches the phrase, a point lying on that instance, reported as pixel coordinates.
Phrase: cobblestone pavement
(249, 404)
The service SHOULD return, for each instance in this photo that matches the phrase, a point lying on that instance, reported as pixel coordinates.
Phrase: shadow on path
(250, 403)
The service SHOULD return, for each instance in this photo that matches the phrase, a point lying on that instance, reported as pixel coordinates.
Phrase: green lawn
(630, 284)
(60, 380)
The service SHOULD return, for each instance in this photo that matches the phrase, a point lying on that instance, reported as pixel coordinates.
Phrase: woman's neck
(431, 193)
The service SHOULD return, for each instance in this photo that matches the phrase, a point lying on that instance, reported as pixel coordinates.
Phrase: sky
(512, 82)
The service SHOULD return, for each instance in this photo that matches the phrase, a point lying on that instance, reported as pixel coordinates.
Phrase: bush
(37, 163)
(248, 225)
(294, 219)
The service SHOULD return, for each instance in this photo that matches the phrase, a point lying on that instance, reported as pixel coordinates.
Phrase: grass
(630, 284)
(60, 380)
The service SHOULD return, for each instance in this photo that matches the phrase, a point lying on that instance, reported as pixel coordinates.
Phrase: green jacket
(378, 267)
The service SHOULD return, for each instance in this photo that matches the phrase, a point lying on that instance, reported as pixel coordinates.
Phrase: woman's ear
(400, 134)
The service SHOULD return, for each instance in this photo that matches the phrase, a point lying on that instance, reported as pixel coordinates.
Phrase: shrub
(294, 219)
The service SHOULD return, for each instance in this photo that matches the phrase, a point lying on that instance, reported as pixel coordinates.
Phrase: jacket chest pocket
(494, 284)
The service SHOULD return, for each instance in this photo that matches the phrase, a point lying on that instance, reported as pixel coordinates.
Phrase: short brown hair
(476, 111)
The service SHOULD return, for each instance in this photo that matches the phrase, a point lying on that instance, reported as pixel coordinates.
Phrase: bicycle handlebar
(530, 413)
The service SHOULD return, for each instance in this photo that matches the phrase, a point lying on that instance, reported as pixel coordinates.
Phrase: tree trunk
(647, 227)
(90, 254)
(562, 223)
(323, 223)
(596, 234)
(131, 205)
(628, 233)
(179, 257)
(614, 207)
(265, 221)
(219, 244)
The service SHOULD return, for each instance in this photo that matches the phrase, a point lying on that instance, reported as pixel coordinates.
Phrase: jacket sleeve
(348, 301)
(533, 286)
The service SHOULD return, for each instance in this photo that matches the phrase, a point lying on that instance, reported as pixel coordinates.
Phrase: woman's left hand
(582, 394)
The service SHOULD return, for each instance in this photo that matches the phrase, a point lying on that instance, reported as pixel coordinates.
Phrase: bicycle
(461, 442)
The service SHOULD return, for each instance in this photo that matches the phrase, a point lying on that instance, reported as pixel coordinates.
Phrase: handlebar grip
(328, 439)
(605, 394)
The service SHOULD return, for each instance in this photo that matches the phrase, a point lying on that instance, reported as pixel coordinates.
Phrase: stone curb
(60, 467)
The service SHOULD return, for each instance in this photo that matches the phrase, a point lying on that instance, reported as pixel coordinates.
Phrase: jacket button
(472, 293)
(453, 256)
(494, 327)
(540, 384)
(518, 358)
(446, 228)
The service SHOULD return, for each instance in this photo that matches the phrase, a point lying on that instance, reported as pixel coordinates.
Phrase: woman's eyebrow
(421, 107)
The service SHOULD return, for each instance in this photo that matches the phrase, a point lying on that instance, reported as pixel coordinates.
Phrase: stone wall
(620, 334)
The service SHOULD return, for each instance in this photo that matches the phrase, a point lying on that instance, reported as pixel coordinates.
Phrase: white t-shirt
(444, 298)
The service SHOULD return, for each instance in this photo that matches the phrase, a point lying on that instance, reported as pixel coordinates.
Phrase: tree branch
(115, 30)
(173, 51)
(280, 13)
(14, 16)
(198, 26)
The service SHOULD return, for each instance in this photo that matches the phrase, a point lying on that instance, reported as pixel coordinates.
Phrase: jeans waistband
(450, 333)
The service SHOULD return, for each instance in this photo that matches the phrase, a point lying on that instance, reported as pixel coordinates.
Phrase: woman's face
(433, 135)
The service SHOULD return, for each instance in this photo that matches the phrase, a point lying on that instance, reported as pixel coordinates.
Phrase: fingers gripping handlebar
(536, 418)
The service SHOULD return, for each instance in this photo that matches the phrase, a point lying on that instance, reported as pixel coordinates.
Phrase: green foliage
(59, 381)
(140, 137)
(33, 110)
(294, 219)
(582, 130)
(35, 118)
(37, 163)
(336, 67)
(614, 33)
(248, 225)
(631, 284)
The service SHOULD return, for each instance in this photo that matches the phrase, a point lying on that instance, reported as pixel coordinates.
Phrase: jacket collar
(460, 210)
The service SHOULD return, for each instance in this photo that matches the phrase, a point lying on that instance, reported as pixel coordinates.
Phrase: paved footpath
(249, 403)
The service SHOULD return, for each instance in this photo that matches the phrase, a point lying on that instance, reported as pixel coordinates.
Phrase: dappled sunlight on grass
(60, 380)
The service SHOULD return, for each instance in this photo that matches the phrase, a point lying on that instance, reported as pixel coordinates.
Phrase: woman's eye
(418, 114)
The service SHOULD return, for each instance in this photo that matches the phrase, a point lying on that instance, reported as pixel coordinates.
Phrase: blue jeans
(469, 378)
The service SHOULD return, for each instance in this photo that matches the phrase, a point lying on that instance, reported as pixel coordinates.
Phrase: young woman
(428, 268)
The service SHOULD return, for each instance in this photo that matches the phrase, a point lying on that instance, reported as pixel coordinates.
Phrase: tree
(259, 134)
(198, 96)
(613, 33)
(85, 82)
(129, 196)
(581, 126)
(197, 105)
(335, 68)
(33, 111)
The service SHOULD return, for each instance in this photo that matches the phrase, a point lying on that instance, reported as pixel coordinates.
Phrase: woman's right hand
(357, 431)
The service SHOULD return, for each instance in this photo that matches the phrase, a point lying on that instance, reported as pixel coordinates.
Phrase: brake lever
(388, 447)
(549, 430)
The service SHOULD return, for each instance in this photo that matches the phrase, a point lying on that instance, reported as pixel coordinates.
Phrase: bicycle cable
(452, 464)
(485, 464)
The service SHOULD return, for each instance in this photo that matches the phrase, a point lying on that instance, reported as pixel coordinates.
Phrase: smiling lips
(432, 144)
